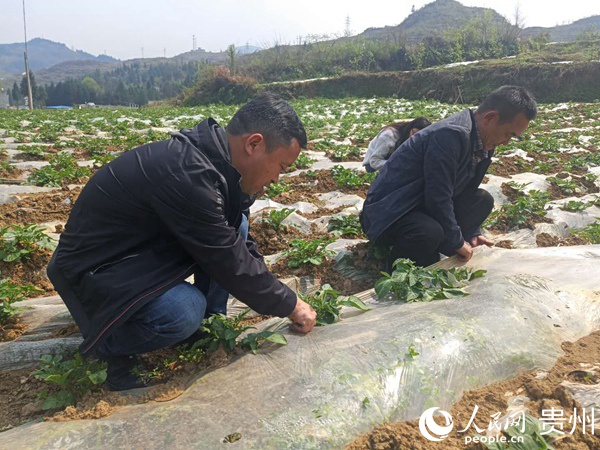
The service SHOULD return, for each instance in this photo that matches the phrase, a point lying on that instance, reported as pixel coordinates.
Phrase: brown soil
(502, 225)
(321, 183)
(39, 208)
(12, 174)
(584, 187)
(510, 192)
(270, 241)
(11, 329)
(543, 393)
(507, 243)
(32, 270)
(321, 212)
(548, 240)
(325, 274)
(19, 390)
(348, 157)
(505, 167)
(68, 330)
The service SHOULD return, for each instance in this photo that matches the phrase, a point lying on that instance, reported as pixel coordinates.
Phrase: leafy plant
(411, 283)
(302, 162)
(567, 187)
(223, 331)
(347, 177)
(574, 206)
(343, 153)
(74, 376)
(102, 158)
(63, 168)
(345, 225)
(274, 189)
(524, 209)
(20, 242)
(276, 216)
(303, 252)
(327, 303)
(11, 293)
(591, 233)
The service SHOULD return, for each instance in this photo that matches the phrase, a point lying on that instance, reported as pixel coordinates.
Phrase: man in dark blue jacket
(162, 212)
(426, 200)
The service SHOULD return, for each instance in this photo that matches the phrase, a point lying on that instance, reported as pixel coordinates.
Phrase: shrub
(217, 85)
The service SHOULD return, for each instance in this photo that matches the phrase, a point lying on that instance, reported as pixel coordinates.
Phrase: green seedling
(410, 283)
(345, 225)
(518, 214)
(224, 332)
(75, 377)
(63, 168)
(327, 303)
(302, 162)
(574, 206)
(11, 293)
(302, 252)
(276, 216)
(20, 242)
(591, 233)
(274, 189)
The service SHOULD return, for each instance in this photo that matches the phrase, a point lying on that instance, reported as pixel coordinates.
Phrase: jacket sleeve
(440, 168)
(193, 209)
(383, 146)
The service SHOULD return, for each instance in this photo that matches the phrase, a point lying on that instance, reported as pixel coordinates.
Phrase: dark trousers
(419, 237)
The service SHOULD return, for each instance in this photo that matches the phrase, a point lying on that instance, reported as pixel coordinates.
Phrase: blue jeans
(170, 318)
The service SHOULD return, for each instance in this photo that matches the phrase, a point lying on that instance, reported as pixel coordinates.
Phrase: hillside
(43, 54)
(434, 18)
(565, 33)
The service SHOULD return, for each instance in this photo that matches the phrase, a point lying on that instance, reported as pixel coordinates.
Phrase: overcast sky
(121, 28)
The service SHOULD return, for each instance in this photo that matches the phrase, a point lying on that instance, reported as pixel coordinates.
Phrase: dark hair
(509, 101)
(403, 128)
(271, 116)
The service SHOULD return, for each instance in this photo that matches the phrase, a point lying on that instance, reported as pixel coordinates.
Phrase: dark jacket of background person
(147, 221)
(430, 169)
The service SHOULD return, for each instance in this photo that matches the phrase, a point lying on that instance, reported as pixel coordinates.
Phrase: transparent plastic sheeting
(324, 389)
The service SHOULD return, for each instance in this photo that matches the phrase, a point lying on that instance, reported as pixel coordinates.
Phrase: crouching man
(162, 212)
(426, 199)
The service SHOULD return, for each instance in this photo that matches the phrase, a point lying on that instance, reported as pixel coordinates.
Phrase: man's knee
(433, 235)
(487, 201)
(184, 307)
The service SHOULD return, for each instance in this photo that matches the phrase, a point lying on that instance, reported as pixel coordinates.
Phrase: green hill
(434, 18)
(43, 54)
(565, 33)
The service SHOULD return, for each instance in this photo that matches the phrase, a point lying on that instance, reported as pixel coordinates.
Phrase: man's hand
(480, 240)
(304, 317)
(465, 252)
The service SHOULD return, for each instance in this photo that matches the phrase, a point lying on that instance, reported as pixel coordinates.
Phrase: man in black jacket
(426, 200)
(162, 212)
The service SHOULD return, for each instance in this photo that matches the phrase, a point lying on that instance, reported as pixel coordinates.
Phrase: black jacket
(429, 170)
(150, 219)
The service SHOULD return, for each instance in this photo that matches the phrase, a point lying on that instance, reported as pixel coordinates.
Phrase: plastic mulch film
(324, 389)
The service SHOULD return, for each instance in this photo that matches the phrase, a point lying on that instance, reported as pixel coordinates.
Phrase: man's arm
(193, 211)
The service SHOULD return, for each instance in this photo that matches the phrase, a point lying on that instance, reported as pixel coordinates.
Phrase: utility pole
(142, 52)
(27, 61)
(165, 52)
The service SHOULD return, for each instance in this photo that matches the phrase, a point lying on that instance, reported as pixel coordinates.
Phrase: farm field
(546, 187)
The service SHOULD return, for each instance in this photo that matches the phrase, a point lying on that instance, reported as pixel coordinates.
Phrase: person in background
(389, 139)
(426, 200)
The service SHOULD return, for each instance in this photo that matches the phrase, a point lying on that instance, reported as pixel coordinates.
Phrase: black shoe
(197, 336)
(120, 375)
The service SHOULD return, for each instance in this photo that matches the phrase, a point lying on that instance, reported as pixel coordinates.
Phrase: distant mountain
(43, 54)
(565, 33)
(434, 18)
